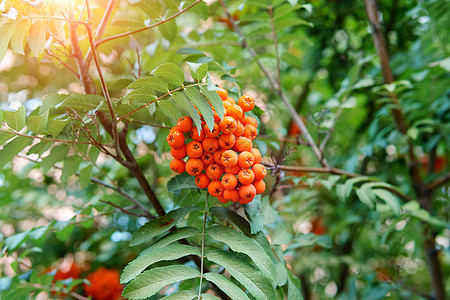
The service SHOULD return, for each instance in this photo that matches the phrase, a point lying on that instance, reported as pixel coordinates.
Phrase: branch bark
(424, 195)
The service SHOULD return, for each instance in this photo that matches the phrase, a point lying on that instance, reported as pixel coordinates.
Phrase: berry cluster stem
(205, 214)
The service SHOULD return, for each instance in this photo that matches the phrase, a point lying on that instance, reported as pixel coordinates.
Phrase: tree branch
(78, 55)
(422, 191)
(439, 182)
(44, 138)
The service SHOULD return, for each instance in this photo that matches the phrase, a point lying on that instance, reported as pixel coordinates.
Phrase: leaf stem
(203, 247)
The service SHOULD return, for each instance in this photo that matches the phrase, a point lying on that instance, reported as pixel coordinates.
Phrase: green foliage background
(372, 240)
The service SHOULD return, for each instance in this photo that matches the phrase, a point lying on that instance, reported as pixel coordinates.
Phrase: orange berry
(243, 144)
(210, 144)
(235, 111)
(228, 125)
(250, 131)
(250, 120)
(233, 170)
(184, 124)
(213, 172)
(240, 129)
(260, 186)
(217, 156)
(197, 137)
(223, 93)
(202, 181)
(246, 176)
(231, 195)
(246, 102)
(207, 158)
(194, 166)
(231, 100)
(177, 165)
(215, 188)
(229, 181)
(222, 199)
(226, 141)
(175, 138)
(211, 133)
(246, 159)
(247, 193)
(178, 153)
(194, 149)
(256, 155)
(226, 104)
(260, 171)
(229, 158)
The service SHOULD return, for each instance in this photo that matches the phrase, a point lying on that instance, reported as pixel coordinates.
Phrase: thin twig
(330, 132)
(439, 182)
(125, 210)
(275, 43)
(117, 36)
(101, 28)
(62, 63)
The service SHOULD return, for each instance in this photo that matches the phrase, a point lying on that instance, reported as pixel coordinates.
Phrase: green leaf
(256, 283)
(151, 282)
(50, 102)
(36, 39)
(169, 30)
(16, 240)
(188, 51)
(205, 296)
(202, 104)
(129, 18)
(170, 110)
(85, 176)
(389, 198)
(365, 195)
(6, 136)
(160, 225)
(215, 100)
(174, 235)
(40, 147)
(7, 29)
(171, 73)
(11, 149)
(185, 105)
(294, 288)
(180, 182)
(140, 95)
(231, 217)
(15, 119)
(240, 243)
(36, 123)
(226, 285)
(170, 252)
(198, 71)
(281, 273)
(54, 127)
(57, 154)
(82, 102)
(151, 82)
(182, 295)
(19, 39)
(71, 165)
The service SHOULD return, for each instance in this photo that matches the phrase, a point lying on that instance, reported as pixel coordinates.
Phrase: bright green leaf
(36, 123)
(202, 104)
(171, 73)
(11, 149)
(15, 119)
(198, 71)
(227, 286)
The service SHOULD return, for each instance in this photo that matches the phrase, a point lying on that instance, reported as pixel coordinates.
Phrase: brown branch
(101, 28)
(83, 69)
(125, 210)
(295, 116)
(117, 36)
(424, 195)
(439, 182)
(62, 63)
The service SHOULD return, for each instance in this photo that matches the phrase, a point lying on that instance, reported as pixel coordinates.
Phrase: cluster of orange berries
(221, 158)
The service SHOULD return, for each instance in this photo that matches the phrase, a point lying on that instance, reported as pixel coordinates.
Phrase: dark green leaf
(180, 182)
(11, 149)
(171, 73)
